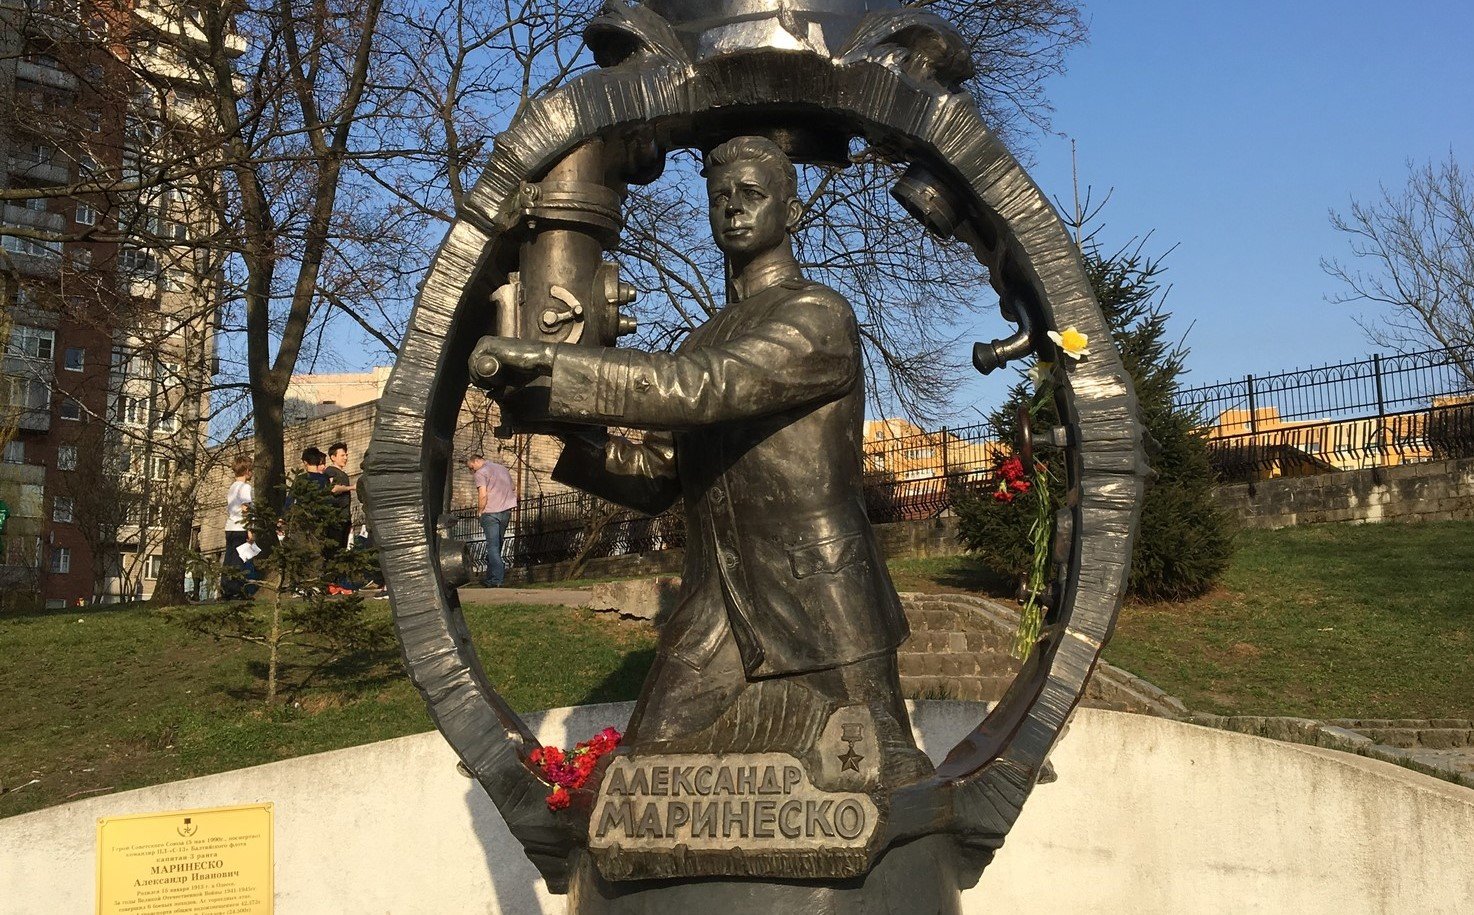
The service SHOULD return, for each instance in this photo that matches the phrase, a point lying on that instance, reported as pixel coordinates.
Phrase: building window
(31, 247)
(154, 567)
(61, 560)
(132, 411)
(136, 260)
(74, 359)
(86, 215)
(36, 204)
(71, 409)
(28, 394)
(66, 457)
(31, 343)
(38, 152)
(15, 452)
(160, 469)
(61, 510)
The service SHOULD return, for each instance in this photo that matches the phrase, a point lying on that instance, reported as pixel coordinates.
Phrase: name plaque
(187, 862)
(709, 814)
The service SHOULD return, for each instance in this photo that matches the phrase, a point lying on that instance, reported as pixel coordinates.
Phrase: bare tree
(1017, 45)
(1413, 251)
(910, 294)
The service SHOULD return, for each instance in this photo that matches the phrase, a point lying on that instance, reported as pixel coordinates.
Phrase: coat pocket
(829, 555)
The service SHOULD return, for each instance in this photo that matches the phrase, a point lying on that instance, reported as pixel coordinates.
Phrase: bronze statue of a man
(756, 422)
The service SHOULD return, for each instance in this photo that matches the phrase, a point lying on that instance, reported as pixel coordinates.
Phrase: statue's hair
(755, 149)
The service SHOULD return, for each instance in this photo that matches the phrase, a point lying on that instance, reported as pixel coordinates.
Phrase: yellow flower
(1071, 341)
(1040, 373)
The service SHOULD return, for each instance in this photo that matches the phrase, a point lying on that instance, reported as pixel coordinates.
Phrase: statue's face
(748, 213)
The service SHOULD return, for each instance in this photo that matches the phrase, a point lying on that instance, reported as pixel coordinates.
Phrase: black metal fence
(563, 527)
(1386, 410)
(907, 477)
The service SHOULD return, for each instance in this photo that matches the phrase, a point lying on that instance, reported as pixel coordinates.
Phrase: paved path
(567, 597)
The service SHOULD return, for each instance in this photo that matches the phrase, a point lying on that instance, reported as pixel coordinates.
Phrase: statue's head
(753, 190)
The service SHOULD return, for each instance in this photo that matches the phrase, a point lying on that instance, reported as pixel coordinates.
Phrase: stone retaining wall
(1413, 733)
(1431, 747)
(898, 540)
(1435, 491)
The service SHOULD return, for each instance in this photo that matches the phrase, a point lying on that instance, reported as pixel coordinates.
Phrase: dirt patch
(316, 703)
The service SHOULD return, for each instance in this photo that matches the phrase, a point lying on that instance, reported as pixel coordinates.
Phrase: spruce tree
(1185, 540)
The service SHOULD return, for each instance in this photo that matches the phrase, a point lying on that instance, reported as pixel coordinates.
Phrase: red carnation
(572, 769)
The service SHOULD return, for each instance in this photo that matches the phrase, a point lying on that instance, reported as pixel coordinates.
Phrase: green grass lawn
(1324, 621)
(115, 699)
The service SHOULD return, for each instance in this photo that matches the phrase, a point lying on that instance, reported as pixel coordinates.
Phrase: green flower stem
(1041, 535)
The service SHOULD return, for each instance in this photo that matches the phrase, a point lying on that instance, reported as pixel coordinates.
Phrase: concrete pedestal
(1148, 816)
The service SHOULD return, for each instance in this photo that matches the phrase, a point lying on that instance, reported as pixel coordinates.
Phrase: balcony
(33, 420)
(30, 257)
(45, 74)
(33, 219)
(25, 386)
(56, 18)
(180, 28)
(166, 63)
(31, 478)
(39, 172)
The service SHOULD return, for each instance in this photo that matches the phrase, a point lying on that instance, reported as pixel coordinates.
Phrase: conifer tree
(1185, 540)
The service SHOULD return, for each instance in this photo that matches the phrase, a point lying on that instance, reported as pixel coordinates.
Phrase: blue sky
(1231, 129)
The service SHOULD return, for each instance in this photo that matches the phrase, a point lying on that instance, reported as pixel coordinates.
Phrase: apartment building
(111, 307)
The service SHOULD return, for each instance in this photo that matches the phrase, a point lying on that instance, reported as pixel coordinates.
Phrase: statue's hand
(498, 361)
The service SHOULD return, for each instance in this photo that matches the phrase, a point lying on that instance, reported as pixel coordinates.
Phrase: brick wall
(1435, 491)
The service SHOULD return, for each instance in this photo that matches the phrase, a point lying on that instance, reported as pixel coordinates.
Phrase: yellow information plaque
(189, 862)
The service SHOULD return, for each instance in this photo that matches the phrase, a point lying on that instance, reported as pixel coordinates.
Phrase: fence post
(1381, 411)
(1253, 409)
(945, 463)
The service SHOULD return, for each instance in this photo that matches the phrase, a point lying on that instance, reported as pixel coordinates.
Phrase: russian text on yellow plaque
(187, 862)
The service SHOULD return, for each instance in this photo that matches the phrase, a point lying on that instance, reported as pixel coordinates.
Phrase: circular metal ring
(1015, 232)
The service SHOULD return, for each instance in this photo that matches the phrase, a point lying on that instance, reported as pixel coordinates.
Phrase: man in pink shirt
(496, 496)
